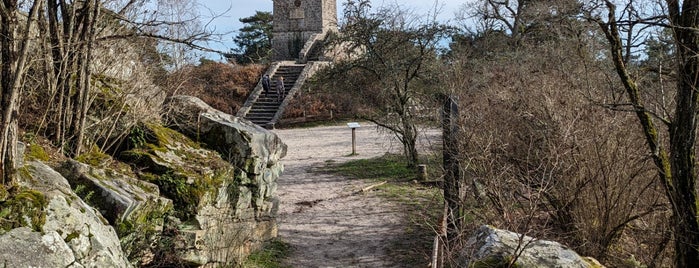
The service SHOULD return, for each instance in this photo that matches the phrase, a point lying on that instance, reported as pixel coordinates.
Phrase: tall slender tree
(14, 39)
(674, 155)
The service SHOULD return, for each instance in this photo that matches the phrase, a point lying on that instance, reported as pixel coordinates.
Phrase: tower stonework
(297, 21)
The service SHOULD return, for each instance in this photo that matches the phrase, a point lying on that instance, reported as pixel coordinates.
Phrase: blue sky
(223, 15)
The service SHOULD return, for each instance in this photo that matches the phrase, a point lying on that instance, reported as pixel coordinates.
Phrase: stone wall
(295, 21)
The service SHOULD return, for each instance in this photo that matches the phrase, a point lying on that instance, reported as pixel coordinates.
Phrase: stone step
(267, 112)
(265, 106)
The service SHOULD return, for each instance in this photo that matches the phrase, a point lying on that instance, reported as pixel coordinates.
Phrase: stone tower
(296, 22)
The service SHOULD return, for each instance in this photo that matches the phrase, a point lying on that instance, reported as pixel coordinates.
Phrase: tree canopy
(254, 41)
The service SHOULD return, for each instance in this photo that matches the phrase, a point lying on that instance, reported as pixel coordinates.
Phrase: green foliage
(85, 193)
(36, 152)
(24, 208)
(254, 40)
(270, 256)
(94, 157)
(185, 196)
(137, 137)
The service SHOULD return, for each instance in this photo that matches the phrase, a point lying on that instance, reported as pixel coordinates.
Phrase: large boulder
(492, 247)
(70, 232)
(221, 212)
(134, 207)
(246, 145)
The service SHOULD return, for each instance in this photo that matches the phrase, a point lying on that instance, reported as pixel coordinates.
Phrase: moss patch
(94, 157)
(24, 208)
(36, 152)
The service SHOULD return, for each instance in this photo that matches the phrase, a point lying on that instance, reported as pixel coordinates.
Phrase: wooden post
(452, 174)
(354, 143)
(422, 172)
(353, 126)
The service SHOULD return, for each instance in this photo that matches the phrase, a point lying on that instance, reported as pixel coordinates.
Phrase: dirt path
(326, 224)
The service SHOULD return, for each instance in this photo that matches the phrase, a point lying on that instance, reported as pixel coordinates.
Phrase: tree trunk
(676, 173)
(13, 57)
(683, 141)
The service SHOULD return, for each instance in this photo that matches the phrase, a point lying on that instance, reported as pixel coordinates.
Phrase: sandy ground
(321, 215)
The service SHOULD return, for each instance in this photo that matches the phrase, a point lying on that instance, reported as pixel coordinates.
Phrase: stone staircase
(264, 108)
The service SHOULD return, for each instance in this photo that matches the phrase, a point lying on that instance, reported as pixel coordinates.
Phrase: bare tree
(676, 163)
(14, 44)
(396, 57)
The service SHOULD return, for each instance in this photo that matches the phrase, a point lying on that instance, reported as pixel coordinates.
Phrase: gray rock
(77, 235)
(133, 206)
(243, 143)
(225, 212)
(121, 199)
(22, 247)
(491, 247)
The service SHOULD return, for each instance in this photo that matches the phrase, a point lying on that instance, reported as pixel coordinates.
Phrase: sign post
(353, 126)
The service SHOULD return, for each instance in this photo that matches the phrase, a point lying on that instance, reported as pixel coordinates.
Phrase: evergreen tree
(254, 40)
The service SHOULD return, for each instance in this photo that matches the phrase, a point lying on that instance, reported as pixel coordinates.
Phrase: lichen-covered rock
(491, 247)
(72, 235)
(133, 206)
(23, 247)
(120, 198)
(222, 212)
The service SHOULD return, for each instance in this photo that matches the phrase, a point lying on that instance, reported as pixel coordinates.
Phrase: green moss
(24, 208)
(3, 193)
(163, 136)
(270, 256)
(35, 152)
(195, 174)
(186, 197)
(94, 157)
(71, 236)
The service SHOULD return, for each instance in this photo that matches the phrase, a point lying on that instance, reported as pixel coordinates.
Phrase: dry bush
(223, 86)
(543, 159)
(122, 94)
(321, 96)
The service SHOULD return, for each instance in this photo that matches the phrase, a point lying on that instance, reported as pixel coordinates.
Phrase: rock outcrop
(491, 247)
(181, 204)
(134, 207)
(69, 234)
(242, 209)
(253, 150)
(220, 214)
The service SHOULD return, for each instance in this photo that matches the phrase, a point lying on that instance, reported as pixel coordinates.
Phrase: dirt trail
(320, 215)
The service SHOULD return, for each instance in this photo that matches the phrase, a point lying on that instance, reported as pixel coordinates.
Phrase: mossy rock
(24, 208)
(183, 171)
